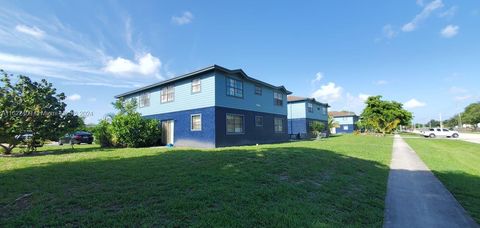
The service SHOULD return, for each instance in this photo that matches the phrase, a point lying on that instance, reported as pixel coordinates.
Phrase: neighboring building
(347, 122)
(215, 107)
(302, 112)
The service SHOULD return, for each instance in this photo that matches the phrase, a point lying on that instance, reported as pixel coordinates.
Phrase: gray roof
(197, 72)
(294, 99)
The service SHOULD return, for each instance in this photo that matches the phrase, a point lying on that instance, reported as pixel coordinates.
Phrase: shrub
(317, 127)
(132, 130)
(102, 134)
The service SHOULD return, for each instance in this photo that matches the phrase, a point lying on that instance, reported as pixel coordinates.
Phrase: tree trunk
(7, 149)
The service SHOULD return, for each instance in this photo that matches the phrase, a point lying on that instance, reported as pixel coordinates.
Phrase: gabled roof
(341, 114)
(239, 72)
(294, 99)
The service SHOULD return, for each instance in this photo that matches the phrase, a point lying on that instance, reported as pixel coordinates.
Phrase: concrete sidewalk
(416, 198)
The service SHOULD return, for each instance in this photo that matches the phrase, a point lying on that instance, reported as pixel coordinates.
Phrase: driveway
(469, 137)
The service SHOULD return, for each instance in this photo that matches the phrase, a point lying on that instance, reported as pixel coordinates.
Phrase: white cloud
(146, 64)
(449, 13)
(364, 97)
(381, 82)
(426, 11)
(32, 31)
(318, 77)
(74, 97)
(413, 103)
(449, 31)
(420, 2)
(463, 98)
(185, 18)
(389, 32)
(457, 90)
(328, 93)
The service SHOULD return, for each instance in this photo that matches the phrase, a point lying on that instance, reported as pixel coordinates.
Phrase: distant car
(439, 132)
(77, 137)
(25, 137)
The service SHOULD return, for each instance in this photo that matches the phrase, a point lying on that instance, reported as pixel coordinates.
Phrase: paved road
(475, 138)
(416, 198)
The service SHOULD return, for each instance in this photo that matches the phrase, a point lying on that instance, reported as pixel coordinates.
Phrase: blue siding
(252, 134)
(320, 112)
(184, 99)
(301, 126)
(341, 130)
(250, 101)
(183, 136)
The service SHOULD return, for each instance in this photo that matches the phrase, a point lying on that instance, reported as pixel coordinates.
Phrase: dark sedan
(76, 138)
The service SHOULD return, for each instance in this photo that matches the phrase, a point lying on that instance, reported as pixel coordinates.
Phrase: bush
(102, 134)
(317, 127)
(132, 130)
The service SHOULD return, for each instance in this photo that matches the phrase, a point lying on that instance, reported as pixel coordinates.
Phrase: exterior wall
(320, 112)
(250, 101)
(297, 110)
(183, 136)
(347, 121)
(183, 98)
(301, 126)
(252, 134)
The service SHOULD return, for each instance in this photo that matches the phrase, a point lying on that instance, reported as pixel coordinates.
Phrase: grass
(339, 181)
(457, 164)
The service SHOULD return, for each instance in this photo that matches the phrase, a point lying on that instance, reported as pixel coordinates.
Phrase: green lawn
(340, 181)
(457, 165)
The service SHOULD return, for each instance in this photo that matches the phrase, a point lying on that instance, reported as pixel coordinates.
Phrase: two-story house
(302, 112)
(347, 122)
(215, 107)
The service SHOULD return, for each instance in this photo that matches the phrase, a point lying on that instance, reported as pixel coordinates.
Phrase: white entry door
(167, 132)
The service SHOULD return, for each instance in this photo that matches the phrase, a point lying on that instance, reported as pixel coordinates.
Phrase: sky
(424, 54)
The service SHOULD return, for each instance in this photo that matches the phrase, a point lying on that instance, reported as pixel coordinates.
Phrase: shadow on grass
(284, 186)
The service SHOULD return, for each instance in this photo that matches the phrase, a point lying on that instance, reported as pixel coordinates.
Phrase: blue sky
(424, 54)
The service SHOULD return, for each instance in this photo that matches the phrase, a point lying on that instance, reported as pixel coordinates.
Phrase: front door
(167, 132)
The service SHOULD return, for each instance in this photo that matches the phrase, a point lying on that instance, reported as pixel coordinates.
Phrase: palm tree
(332, 123)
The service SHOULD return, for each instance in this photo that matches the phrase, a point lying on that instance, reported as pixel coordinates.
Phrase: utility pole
(460, 125)
(441, 123)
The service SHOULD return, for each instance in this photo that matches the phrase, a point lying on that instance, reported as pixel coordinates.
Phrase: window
(196, 122)
(278, 123)
(345, 128)
(324, 110)
(234, 124)
(278, 98)
(144, 100)
(446, 130)
(438, 129)
(309, 107)
(234, 87)
(258, 90)
(258, 121)
(196, 86)
(167, 94)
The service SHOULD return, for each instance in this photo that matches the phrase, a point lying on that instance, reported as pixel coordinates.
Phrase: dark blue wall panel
(183, 136)
(340, 130)
(252, 134)
(301, 126)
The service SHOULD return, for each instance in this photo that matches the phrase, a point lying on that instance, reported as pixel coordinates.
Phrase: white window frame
(234, 131)
(144, 100)
(191, 122)
(235, 90)
(258, 90)
(196, 85)
(257, 125)
(309, 107)
(277, 97)
(275, 125)
(166, 92)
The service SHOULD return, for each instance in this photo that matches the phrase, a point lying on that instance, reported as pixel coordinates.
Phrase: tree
(384, 116)
(127, 128)
(34, 107)
(471, 114)
(433, 123)
(317, 127)
(332, 123)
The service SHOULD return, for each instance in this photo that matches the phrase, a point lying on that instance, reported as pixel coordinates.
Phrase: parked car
(439, 132)
(25, 137)
(77, 137)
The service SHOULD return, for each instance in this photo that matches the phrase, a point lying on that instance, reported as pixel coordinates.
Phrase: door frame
(171, 130)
